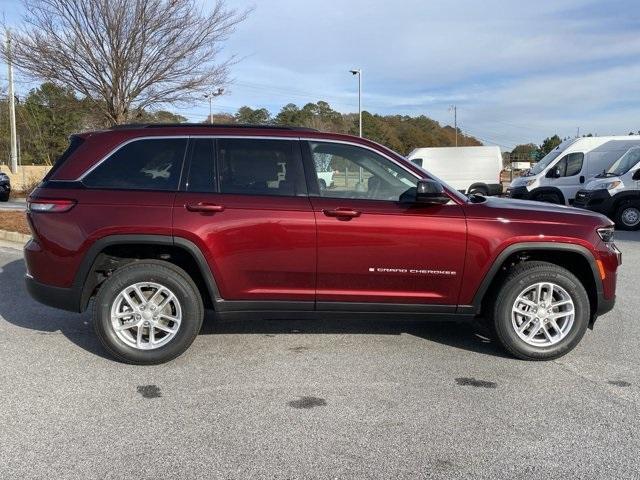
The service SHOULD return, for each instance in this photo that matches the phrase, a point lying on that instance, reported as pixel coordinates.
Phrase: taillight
(50, 205)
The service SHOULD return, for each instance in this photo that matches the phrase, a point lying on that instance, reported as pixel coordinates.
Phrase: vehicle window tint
(150, 164)
(202, 176)
(260, 167)
(347, 171)
(574, 164)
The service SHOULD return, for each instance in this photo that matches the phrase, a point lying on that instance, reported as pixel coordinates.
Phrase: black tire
(624, 211)
(165, 274)
(522, 276)
(4, 197)
(479, 191)
(551, 197)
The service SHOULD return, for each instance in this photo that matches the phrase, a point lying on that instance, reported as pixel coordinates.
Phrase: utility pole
(578, 134)
(454, 109)
(12, 110)
(211, 96)
(358, 72)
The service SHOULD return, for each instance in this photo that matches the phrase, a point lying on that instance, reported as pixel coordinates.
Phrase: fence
(26, 177)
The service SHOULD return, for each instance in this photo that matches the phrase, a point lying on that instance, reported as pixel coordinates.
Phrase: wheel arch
(113, 251)
(575, 258)
(536, 192)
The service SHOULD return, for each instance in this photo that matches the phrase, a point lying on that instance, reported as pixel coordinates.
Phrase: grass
(14, 222)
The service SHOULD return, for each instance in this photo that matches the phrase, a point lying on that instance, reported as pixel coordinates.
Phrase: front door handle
(342, 212)
(204, 207)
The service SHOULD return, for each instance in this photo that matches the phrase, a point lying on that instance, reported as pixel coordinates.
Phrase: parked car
(567, 168)
(616, 192)
(159, 222)
(5, 187)
(467, 169)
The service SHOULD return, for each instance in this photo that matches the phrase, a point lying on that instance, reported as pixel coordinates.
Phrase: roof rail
(125, 126)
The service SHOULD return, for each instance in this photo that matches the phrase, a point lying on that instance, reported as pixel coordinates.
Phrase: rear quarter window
(148, 164)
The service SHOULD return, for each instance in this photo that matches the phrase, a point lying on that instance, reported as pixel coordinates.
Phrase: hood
(542, 211)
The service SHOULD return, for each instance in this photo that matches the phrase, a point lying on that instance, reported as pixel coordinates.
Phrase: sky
(518, 71)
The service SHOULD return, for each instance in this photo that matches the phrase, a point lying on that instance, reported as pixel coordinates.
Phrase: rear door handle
(342, 212)
(204, 207)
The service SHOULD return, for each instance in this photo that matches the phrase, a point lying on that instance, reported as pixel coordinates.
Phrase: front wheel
(628, 217)
(148, 312)
(541, 311)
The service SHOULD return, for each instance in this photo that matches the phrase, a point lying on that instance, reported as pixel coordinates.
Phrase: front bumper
(595, 200)
(518, 192)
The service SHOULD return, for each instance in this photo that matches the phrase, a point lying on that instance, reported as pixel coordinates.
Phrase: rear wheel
(148, 312)
(541, 311)
(628, 217)
(4, 197)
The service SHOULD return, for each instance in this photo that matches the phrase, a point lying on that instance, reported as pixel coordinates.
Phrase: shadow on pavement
(17, 308)
(627, 236)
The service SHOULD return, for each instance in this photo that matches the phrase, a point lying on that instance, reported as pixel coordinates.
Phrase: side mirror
(417, 161)
(636, 175)
(554, 173)
(427, 192)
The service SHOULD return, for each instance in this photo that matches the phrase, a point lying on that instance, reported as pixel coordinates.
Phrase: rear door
(244, 204)
(371, 248)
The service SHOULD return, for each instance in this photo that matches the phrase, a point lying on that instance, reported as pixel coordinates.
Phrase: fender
(631, 196)
(543, 190)
(527, 247)
(82, 285)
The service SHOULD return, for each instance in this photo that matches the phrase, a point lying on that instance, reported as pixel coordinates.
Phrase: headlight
(612, 185)
(606, 234)
(530, 182)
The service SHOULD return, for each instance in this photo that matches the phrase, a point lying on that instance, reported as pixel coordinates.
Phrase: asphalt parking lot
(289, 399)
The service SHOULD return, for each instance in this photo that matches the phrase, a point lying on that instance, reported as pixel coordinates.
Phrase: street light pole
(359, 73)
(454, 108)
(211, 96)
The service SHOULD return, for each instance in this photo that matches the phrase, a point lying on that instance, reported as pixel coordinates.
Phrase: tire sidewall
(181, 286)
(502, 315)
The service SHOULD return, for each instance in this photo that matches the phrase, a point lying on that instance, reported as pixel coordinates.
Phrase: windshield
(624, 163)
(544, 163)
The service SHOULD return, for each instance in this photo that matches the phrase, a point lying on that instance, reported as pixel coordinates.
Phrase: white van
(616, 192)
(565, 170)
(467, 169)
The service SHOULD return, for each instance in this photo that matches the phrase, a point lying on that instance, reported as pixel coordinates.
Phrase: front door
(244, 204)
(372, 248)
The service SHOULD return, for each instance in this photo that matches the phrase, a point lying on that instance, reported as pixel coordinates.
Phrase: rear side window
(149, 164)
(202, 176)
(260, 167)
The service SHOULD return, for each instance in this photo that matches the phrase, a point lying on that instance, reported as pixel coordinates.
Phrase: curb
(14, 237)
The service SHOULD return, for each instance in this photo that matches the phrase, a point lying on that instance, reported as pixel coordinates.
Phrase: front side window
(260, 167)
(149, 164)
(570, 165)
(357, 172)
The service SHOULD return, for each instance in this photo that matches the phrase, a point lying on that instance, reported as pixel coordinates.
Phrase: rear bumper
(599, 201)
(56, 297)
(518, 192)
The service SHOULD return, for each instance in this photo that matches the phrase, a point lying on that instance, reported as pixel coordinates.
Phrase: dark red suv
(159, 222)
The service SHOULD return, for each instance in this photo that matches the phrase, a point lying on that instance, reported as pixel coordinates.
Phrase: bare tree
(126, 55)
